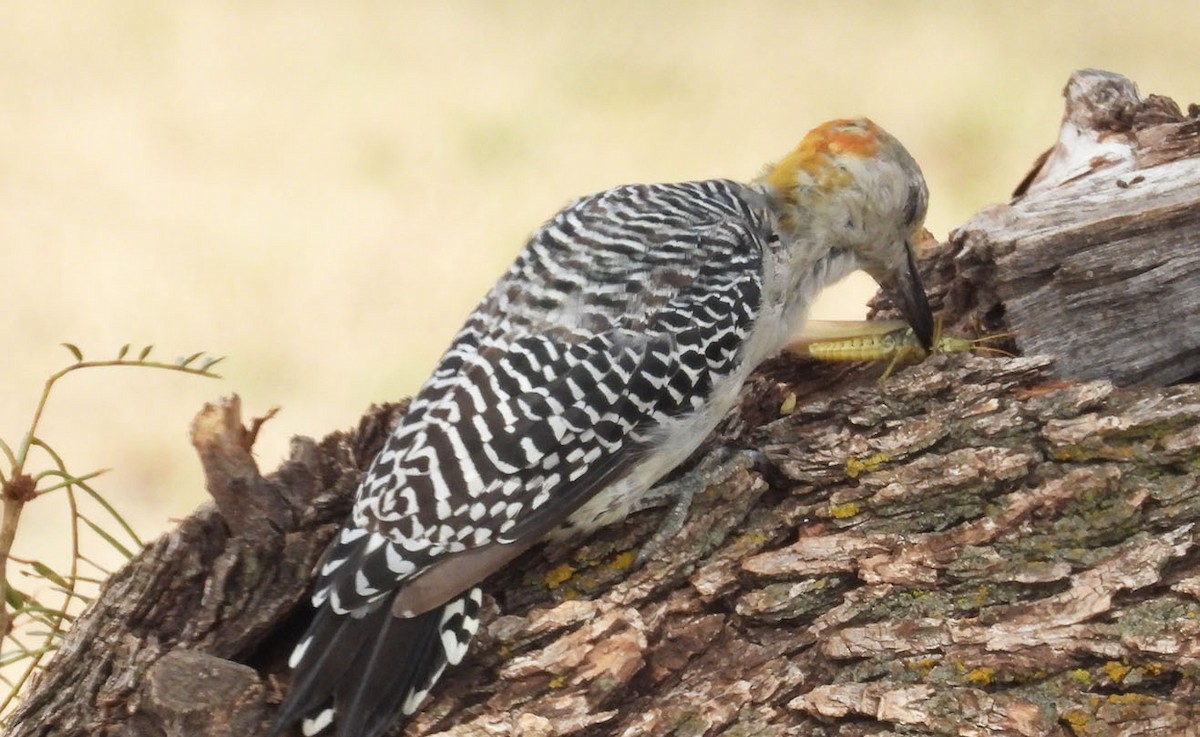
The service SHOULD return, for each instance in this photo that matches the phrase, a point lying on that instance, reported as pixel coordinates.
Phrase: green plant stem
(13, 505)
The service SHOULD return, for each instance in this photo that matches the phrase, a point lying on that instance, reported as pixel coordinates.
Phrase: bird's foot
(714, 469)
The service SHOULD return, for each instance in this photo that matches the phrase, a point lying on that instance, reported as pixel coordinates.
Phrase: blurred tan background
(321, 191)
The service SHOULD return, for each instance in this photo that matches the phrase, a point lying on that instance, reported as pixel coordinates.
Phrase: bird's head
(850, 187)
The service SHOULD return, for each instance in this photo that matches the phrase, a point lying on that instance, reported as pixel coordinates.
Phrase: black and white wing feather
(616, 321)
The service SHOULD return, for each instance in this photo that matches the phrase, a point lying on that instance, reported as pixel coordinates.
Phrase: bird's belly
(674, 440)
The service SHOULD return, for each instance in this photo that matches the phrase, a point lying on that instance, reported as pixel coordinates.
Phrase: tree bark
(980, 546)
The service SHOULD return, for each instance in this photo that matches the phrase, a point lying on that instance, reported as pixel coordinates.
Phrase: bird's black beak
(906, 290)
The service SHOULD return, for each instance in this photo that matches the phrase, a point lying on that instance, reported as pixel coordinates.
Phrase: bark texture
(1096, 261)
(980, 546)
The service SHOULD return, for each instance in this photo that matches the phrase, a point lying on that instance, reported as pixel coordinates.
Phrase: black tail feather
(405, 651)
(363, 673)
(331, 646)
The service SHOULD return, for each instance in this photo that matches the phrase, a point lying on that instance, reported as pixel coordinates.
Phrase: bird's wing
(616, 316)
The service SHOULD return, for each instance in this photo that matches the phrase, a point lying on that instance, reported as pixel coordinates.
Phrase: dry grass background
(321, 191)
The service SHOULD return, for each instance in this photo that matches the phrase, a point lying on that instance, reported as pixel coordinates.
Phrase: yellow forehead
(859, 138)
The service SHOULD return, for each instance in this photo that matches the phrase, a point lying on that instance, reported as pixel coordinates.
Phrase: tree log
(980, 546)
(1096, 261)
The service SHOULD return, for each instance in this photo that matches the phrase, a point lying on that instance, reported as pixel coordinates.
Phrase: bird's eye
(914, 206)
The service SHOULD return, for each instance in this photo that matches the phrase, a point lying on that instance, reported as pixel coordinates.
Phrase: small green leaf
(48, 573)
(107, 537)
(15, 598)
(74, 595)
(121, 353)
(74, 351)
(210, 361)
(145, 352)
(48, 636)
(45, 614)
(8, 657)
(114, 514)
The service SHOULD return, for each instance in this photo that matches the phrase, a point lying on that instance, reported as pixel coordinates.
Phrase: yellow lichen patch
(557, 682)
(755, 539)
(623, 561)
(1077, 719)
(559, 575)
(789, 404)
(1152, 670)
(981, 676)
(856, 466)
(982, 595)
(1079, 675)
(844, 511)
(1131, 699)
(1116, 671)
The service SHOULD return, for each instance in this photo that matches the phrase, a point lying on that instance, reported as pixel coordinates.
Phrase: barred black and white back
(596, 364)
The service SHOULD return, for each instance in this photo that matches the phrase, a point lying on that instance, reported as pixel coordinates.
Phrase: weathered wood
(1097, 260)
(201, 589)
(975, 548)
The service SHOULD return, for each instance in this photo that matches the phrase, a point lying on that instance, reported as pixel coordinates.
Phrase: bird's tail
(363, 670)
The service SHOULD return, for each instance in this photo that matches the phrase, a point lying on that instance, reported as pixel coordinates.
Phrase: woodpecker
(596, 364)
